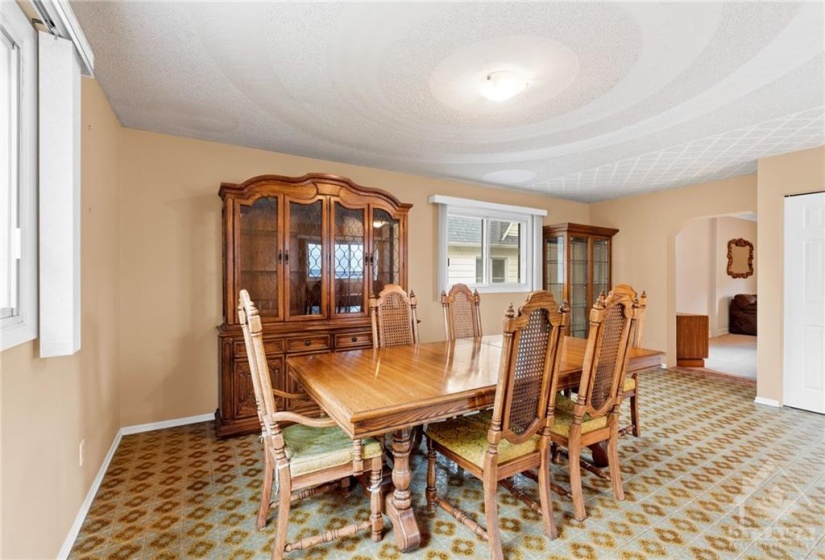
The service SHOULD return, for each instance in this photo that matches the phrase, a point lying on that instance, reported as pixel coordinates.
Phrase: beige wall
(727, 287)
(49, 405)
(693, 267)
(645, 247)
(796, 173)
(170, 270)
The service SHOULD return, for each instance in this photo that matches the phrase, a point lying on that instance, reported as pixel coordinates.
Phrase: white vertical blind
(59, 89)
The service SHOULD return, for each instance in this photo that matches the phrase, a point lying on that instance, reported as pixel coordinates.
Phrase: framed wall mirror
(740, 258)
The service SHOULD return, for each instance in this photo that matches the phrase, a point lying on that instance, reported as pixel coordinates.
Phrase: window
(349, 260)
(18, 145)
(490, 247)
(314, 260)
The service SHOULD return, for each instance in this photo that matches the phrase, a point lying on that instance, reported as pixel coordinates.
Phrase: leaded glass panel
(348, 260)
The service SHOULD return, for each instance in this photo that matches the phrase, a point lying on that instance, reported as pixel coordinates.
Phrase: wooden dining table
(376, 391)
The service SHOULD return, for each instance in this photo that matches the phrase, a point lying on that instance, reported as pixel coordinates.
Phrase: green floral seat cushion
(563, 418)
(629, 384)
(313, 449)
(466, 436)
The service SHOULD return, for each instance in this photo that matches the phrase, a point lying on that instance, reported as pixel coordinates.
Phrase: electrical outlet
(82, 451)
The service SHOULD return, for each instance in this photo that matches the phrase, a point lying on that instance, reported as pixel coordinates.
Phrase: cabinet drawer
(270, 347)
(311, 343)
(350, 341)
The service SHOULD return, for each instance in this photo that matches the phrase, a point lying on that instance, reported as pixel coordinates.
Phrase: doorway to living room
(716, 299)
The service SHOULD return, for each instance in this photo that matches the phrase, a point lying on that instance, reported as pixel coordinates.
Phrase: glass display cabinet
(309, 250)
(577, 267)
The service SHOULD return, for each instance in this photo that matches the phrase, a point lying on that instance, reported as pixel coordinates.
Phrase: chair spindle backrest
(530, 358)
(394, 321)
(612, 320)
(461, 312)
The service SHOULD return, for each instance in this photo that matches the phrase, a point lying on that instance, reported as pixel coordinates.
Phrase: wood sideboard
(691, 340)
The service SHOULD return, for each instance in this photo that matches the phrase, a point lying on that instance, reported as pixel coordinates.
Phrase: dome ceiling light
(503, 85)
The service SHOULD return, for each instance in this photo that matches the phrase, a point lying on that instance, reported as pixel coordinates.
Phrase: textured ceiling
(623, 98)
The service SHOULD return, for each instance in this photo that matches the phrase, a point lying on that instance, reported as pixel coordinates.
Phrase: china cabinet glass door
(304, 260)
(348, 261)
(601, 268)
(554, 267)
(579, 279)
(385, 260)
(259, 241)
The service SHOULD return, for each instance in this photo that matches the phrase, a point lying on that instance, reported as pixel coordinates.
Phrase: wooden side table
(691, 340)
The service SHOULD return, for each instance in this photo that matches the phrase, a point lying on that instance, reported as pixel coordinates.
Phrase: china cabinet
(577, 267)
(309, 250)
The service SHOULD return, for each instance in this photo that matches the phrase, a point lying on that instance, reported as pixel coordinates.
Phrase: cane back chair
(515, 436)
(461, 312)
(394, 322)
(309, 457)
(593, 417)
(630, 389)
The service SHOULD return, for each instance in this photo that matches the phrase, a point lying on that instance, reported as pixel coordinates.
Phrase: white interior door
(804, 310)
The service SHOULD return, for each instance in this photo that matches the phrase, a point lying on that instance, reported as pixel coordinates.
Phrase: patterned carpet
(714, 476)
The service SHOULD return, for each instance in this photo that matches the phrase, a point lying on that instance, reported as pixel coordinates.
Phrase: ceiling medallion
(503, 85)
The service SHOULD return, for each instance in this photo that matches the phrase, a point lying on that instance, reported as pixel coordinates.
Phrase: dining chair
(630, 388)
(515, 436)
(311, 456)
(461, 312)
(593, 418)
(392, 313)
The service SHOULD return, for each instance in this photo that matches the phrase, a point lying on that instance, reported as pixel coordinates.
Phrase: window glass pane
(464, 249)
(9, 90)
(504, 238)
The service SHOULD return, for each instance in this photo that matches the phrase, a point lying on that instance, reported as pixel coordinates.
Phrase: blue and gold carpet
(714, 476)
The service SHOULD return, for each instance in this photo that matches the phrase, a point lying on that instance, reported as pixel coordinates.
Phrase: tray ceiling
(622, 98)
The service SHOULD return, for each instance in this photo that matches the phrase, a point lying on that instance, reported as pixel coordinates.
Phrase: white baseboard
(68, 543)
(152, 426)
(87, 503)
(768, 402)
(719, 332)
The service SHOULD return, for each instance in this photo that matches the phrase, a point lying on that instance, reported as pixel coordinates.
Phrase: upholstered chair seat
(315, 449)
(629, 384)
(563, 418)
(466, 436)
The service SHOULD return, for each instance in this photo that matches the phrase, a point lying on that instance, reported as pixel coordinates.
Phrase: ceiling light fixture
(503, 85)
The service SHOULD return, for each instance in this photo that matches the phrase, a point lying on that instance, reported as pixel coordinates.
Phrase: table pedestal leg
(398, 503)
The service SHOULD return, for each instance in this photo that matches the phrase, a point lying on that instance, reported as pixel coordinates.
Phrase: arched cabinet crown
(309, 250)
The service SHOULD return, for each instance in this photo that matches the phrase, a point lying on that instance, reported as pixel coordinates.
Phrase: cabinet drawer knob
(354, 339)
(307, 342)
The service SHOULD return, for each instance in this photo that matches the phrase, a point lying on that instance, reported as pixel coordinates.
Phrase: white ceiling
(624, 98)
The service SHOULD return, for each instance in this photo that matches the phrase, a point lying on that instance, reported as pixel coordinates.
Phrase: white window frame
(530, 254)
(19, 260)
